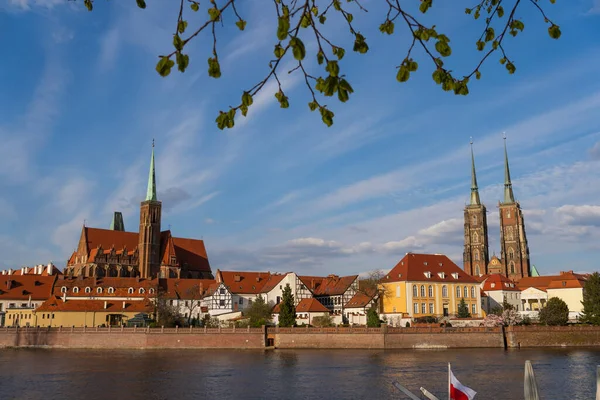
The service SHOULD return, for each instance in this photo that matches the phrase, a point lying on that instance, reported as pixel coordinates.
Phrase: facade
(498, 289)
(21, 294)
(428, 285)
(148, 253)
(514, 262)
(306, 310)
(358, 306)
(333, 291)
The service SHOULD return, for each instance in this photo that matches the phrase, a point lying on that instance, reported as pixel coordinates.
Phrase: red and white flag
(456, 390)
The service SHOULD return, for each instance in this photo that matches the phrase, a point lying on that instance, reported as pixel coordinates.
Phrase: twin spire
(151, 191)
(509, 197)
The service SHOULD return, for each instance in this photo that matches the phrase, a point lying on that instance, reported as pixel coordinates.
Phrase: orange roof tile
(243, 282)
(359, 300)
(186, 289)
(191, 252)
(499, 282)
(331, 285)
(55, 304)
(21, 287)
(413, 267)
(120, 285)
(107, 238)
(305, 305)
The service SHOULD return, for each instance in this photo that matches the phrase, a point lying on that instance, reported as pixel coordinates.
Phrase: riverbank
(302, 338)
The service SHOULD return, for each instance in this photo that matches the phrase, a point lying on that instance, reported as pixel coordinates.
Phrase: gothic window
(477, 271)
(512, 267)
(511, 254)
(415, 291)
(474, 219)
(422, 290)
(476, 255)
(457, 292)
(475, 237)
(444, 291)
(466, 292)
(509, 233)
(430, 291)
(507, 213)
(473, 292)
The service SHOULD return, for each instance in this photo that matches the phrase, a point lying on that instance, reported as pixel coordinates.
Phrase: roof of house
(55, 304)
(414, 268)
(35, 271)
(305, 305)
(247, 282)
(565, 280)
(191, 252)
(331, 285)
(121, 286)
(359, 300)
(108, 238)
(22, 287)
(499, 282)
(186, 289)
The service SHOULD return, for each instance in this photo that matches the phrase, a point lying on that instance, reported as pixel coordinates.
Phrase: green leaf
(360, 45)
(177, 42)
(298, 48)
(244, 110)
(326, 116)
(88, 4)
(183, 60)
(320, 57)
(222, 120)
(477, 74)
(283, 27)
(194, 7)
(554, 31)
(247, 99)
(425, 5)
(282, 98)
(322, 19)
(279, 51)
(480, 45)
(387, 27)
(345, 85)
(438, 76)
(141, 3)
(403, 74)
(467, 11)
(214, 68)
(411, 64)
(312, 105)
(330, 86)
(510, 67)
(314, 10)
(443, 48)
(181, 26)
(500, 11)
(489, 34)
(349, 18)
(502, 60)
(214, 13)
(339, 52)
(305, 21)
(241, 24)
(164, 65)
(333, 68)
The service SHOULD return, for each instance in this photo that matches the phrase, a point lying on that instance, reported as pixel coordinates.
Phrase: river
(294, 374)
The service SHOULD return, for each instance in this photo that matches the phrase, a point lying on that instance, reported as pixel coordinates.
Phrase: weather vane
(471, 140)
(152, 142)
(504, 135)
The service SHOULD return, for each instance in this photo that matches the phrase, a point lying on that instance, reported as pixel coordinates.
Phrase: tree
(192, 296)
(373, 318)
(287, 310)
(305, 20)
(556, 312)
(260, 313)
(463, 309)
(591, 300)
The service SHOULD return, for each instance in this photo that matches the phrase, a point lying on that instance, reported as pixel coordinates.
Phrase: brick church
(514, 262)
(148, 253)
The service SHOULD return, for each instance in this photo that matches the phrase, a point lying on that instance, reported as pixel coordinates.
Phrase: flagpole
(449, 371)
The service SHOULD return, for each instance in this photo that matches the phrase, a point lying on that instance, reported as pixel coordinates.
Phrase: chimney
(124, 304)
(9, 284)
(10, 271)
(258, 279)
(49, 269)
(105, 304)
(3, 272)
(22, 270)
(237, 278)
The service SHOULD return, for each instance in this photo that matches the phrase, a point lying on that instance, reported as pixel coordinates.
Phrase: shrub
(556, 312)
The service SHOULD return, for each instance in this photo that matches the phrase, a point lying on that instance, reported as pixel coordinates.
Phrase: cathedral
(148, 253)
(514, 260)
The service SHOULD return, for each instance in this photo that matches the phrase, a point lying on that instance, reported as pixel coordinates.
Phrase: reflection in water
(289, 374)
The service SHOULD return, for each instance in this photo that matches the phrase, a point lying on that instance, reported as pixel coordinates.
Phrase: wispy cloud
(109, 48)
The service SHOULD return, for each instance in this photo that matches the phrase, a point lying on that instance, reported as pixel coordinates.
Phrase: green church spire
(151, 192)
(474, 190)
(508, 192)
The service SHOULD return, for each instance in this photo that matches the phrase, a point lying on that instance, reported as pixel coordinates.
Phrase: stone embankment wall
(133, 338)
(302, 338)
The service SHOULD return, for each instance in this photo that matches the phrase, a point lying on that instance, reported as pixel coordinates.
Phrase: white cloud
(109, 48)
(583, 215)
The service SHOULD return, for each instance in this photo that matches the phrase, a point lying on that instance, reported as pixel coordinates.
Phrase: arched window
(430, 289)
(99, 290)
(88, 289)
(151, 291)
(474, 219)
(512, 267)
(511, 254)
(142, 291)
(130, 290)
(457, 291)
(415, 291)
(466, 292)
(75, 289)
(63, 289)
(422, 290)
(444, 291)
(111, 290)
(475, 237)
(473, 292)
(476, 255)
(477, 271)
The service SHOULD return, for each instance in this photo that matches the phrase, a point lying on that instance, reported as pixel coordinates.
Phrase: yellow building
(91, 313)
(428, 284)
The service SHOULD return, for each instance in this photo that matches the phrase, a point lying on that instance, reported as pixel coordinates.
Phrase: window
(397, 290)
(512, 267)
(474, 219)
(473, 292)
(415, 293)
(241, 300)
(186, 303)
(63, 289)
(430, 291)
(457, 291)
(476, 256)
(88, 290)
(475, 237)
(75, 289)
(130, 290)
(507, 213)
(151, 291)
(466, 292)
(416, 308)
(111, 290)
(422, 290)
(444, 291)
(511, 254)
(423, 308)
(99, 290)
(222, 303)
(431, 309)
(473, 309)
(477, 271)
(222, 291)
(142, 291)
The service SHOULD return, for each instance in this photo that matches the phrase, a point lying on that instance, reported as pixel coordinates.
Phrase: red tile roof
(21, 287)
(32, 271)
(243, 282)
(186, 289)
(331, 285)
(413, 267)
(120, 285)
(55, 304)
(499, 282)
(359, 300)
(193, 253)
(306, 305)
(107, 238)
(565, 280)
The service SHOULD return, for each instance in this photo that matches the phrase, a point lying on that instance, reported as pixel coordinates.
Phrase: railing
(122, 329)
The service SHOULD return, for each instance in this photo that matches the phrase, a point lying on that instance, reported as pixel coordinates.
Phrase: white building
(499, 289)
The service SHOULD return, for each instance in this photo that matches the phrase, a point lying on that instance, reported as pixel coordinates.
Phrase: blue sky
(81, 103)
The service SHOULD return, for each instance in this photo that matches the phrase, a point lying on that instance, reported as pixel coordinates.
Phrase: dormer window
(151, 291)
(99, 290)
(111, 290)
(442, 275)
(88, 290)
(130, 290)
(455, 275)
(425, 263)
(75, 289)
(399, 275)
(428, 274)
(142, 291)
(63, 289)
(493, 285)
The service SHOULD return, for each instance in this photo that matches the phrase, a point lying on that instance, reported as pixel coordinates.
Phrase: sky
(80, 103)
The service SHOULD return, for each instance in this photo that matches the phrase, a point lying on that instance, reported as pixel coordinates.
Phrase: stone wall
(130, 338)
(552, 336)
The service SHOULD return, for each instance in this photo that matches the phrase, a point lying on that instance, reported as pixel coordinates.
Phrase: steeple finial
(475, 201)
(151, 191)
(508, 192)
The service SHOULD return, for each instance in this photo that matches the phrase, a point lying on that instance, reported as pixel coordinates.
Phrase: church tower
(149, 236)
(476, 254)
(513, 240)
